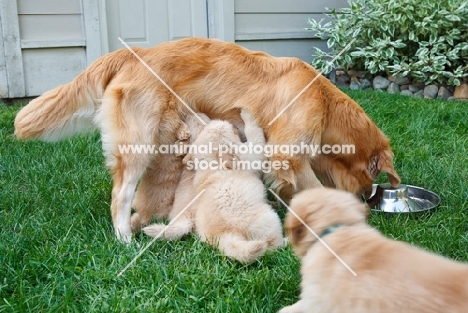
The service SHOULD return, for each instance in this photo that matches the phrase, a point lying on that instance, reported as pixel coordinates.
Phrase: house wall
(47, 43)
(52, 42)
(277, 26)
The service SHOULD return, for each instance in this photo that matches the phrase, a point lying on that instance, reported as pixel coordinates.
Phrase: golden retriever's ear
(383, 163)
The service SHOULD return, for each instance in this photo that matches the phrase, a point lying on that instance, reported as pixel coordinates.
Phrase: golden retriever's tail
(240, 249)
(68, 109)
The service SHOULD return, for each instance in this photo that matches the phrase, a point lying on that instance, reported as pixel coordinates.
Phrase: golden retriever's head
(320, 208)
(206, 146)
(356, 174)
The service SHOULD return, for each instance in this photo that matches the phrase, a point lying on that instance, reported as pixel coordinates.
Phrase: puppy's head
(215, 134)
(320, 208)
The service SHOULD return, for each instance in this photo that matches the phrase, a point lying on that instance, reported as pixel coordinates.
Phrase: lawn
(58, 252)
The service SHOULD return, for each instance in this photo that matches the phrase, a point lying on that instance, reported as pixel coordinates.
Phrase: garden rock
(443, 93)
(332, 77)
(404, 87)
(361, 74)
(402, 81)
(352, 73)
(406, 92)
(393, 88)
(380, 82)
(342, 80)
(355, 85)
(461, 92)
(419, 94)
(430, 91)
(365, 83)
(413, 88)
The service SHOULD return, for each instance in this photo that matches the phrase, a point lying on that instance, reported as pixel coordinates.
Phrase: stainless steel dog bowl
(402, 199)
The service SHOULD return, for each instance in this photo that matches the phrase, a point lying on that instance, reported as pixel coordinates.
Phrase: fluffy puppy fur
(391, 276)
(120, 97)
(232, 212)
(184, 193)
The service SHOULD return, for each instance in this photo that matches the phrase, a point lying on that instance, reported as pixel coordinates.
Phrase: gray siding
(52, 42)
(277, 26)
(45, 43)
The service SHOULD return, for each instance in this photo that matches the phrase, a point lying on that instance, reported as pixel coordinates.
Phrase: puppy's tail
(240, 249)
(68, 109)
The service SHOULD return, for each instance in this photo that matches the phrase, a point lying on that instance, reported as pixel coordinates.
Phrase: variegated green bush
(426, 39)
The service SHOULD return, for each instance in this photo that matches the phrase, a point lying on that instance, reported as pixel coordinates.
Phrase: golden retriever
(391, 276)
(119, 96)
(232, 212)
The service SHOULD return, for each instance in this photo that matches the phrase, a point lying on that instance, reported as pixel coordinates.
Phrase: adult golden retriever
(125, 101)
(391, 276)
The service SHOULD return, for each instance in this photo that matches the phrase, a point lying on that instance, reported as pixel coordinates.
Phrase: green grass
(58, 252)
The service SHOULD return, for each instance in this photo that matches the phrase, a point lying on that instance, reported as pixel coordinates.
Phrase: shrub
(426, 39)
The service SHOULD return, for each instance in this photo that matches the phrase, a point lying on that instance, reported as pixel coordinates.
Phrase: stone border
(359, 80)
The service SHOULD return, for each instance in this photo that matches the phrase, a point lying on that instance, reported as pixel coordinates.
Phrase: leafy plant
(423, 38)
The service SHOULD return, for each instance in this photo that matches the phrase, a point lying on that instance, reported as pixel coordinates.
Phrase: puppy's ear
(230, 160)
(364, 210)
(383, 163)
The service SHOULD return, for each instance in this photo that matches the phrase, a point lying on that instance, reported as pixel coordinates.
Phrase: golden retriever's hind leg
(126, 173)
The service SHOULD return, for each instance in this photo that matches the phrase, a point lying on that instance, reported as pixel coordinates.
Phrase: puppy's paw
(155, 231)
(183, 132)
(295, 308)
(247, 116)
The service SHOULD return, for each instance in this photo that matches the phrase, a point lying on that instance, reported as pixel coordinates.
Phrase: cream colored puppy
(391, 276)
(232, 212)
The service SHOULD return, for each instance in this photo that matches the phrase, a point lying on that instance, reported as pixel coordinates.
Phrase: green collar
(330, 230)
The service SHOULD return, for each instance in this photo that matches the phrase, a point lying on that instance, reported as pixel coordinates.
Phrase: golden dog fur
(121, 98)
(391, 276)
(232, 212)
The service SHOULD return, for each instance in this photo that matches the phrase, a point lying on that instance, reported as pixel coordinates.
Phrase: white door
(146, 23)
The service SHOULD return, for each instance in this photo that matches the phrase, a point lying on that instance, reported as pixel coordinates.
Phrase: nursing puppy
(120, 97)
(231, 213)
(391, 276)
(185, 192)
